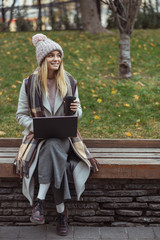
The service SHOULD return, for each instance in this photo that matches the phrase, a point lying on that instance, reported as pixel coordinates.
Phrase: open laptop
(55, 127)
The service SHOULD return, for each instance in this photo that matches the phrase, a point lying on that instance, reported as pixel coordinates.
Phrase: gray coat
(81, 171)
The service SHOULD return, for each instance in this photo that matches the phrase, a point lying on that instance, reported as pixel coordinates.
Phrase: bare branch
(122, 18)
(128, 26)
(137, 4)
(116, 15)
(125, 13)
(105, 2)
(124, 9)
(127, 9)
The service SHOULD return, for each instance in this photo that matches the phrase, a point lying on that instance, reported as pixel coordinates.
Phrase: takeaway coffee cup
(68, 101)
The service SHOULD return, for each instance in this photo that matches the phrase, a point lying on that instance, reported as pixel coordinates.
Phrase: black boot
(38, 212)
(62, 224)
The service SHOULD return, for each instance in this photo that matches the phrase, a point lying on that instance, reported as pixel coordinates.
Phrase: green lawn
(112, 108)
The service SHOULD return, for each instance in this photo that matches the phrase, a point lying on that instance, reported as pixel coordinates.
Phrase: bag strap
(27, 88)
(73, 83)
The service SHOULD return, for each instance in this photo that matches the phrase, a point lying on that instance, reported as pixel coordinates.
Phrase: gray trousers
(55, 165)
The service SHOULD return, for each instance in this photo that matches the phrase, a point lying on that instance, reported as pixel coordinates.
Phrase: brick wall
(105, 202)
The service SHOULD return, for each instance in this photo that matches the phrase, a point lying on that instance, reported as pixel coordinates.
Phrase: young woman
(54, 161)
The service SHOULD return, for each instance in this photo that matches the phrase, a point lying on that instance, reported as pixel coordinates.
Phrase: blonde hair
(59, 77)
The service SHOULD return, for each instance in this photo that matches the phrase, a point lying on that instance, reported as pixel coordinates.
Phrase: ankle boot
(62, 224)
(38, 212)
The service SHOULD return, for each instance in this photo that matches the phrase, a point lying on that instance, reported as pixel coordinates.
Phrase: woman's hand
(74, 106)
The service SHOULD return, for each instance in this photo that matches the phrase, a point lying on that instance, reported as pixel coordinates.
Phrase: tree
(39, 22)
(98, 2)
(125, 14)
(11, 13)
(6, 26)
(157, 5)
(51, 15)
(90, 17)
(3, 13)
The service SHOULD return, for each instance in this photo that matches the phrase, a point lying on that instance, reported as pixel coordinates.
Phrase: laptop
(55, 127)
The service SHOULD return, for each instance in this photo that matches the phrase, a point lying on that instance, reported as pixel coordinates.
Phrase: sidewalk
(47, 232)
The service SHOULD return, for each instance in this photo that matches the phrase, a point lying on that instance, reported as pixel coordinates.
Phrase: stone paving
(47, 232)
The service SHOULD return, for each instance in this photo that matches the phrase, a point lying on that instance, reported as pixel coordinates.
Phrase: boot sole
(38, 222)
(62, 234)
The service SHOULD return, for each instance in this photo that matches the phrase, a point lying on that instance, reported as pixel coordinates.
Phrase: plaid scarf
(37, 110)
(26, 155)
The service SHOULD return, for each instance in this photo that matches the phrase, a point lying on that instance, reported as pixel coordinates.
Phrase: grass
(112, 107)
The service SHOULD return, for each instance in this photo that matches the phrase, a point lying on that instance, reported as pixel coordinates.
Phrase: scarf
(28, 148)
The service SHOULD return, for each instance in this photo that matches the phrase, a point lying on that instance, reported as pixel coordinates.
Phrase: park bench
(135, 159)
(125, 191)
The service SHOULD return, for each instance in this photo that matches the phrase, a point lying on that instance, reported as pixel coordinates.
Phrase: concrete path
(47, 232)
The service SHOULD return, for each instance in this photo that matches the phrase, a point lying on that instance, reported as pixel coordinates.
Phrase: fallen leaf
(99, 100)
(126, 105)
(140, 84)
(136, 97)
(114, 91)
(152, 44)
(2, 133)
(128, 134)
(81, 59)
(135, 73)
(96, 117)
(18, 82)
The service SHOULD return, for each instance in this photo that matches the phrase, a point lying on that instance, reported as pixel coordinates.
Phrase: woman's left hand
(74, 106)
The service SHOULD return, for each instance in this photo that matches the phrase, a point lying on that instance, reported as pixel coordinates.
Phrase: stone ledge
(118, 158)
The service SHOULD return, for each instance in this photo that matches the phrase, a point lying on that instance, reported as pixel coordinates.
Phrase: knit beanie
(44, 46)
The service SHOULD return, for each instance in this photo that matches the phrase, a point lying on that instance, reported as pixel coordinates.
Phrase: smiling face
(54, 60)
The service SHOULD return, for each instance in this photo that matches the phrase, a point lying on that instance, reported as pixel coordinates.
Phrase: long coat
(81, 171)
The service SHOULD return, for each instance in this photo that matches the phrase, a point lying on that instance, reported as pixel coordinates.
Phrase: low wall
(106, 202)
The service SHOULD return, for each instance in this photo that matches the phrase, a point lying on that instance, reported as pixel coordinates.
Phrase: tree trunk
(98, 2)
(90, 17)
(51, 16)
(157, 5)
(3, 27)
(39, 16)
(125, 59)
(11, 13)
(3, 12)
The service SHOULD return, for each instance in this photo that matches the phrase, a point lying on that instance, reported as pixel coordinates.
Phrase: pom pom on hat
(44, 46)
(37, 38)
